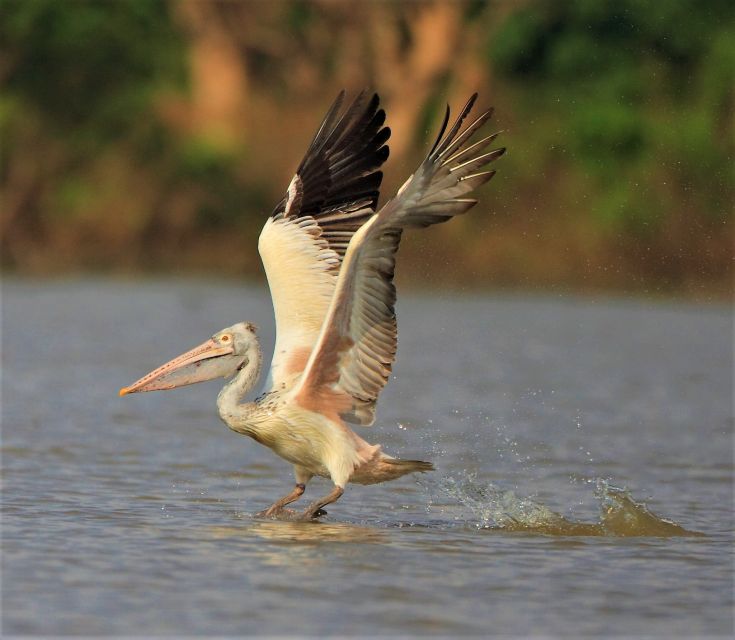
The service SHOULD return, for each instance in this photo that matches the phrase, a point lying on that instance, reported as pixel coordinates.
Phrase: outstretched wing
(334, 191)
(357, 344)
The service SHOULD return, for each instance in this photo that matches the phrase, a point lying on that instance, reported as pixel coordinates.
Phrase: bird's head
(223, 355)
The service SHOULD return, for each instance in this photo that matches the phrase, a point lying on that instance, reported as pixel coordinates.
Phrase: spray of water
(463, 498)
(492, 508)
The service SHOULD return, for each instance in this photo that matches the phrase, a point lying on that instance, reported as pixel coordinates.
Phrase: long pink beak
(188, 368)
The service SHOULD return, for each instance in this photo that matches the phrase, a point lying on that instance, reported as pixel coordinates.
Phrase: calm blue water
(134, 515)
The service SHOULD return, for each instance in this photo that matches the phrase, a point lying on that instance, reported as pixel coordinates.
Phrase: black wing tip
(494, 155)
(349, 145)
(382, 137)
(491, 175)
(442, 129)
(470, 103)
(377, 120)
(443, 141)
(336, 105)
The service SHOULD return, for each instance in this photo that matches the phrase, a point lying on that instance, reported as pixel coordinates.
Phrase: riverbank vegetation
(157, 135)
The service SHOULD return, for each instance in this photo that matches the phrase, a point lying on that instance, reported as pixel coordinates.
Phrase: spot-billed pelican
(329, 257)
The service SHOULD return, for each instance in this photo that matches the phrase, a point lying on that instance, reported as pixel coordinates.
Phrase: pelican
(329, 256)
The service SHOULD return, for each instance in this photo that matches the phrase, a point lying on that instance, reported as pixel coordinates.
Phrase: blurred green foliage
(85, 145)
(633, 92)
(621, 118)
(90, 68)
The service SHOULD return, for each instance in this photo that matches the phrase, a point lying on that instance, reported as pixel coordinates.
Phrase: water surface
(583, 484)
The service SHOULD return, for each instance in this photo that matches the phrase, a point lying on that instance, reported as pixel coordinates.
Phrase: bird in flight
(329, 256)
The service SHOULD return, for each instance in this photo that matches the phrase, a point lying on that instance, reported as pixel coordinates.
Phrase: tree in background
(146, 134)
(638, 105)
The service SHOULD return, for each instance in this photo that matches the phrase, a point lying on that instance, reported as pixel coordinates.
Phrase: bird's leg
(314, 510)
(277, 507)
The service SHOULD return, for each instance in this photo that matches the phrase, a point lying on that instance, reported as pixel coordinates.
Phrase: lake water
(583, 485)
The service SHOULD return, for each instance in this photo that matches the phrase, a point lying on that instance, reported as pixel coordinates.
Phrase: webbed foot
(316, 509)
(308, 515)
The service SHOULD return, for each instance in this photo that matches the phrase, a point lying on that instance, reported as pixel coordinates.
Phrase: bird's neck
(229, 401)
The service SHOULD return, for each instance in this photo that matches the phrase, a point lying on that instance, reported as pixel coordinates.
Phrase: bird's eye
(225, 339)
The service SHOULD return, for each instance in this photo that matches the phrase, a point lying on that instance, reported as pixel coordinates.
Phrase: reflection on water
(134, 516)
(291, 544)
(300, 533)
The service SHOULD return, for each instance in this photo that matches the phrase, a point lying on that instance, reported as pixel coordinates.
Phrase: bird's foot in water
(290, 515)
(277, 513)
(309, 515)
(316, 509)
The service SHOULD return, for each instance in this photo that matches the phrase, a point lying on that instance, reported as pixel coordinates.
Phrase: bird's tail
(383, 468)
(408, 466)
(390, 468)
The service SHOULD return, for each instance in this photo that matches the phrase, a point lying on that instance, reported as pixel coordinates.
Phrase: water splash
(500, 509)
